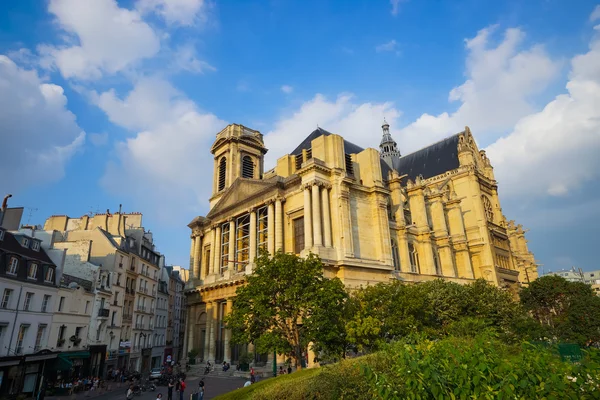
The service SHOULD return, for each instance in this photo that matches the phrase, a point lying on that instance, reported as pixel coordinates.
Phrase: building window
(25, 242)
(45, 302)
(6, 298)
(61, 303)
(487, 207)
(61, 336)
(1, 234)
(395, 256)
(207, 262)
(32, 271)
(349, 165)
(262, 228)
(242, 242)
(224, 246)
(436, 263)
(13, 266)
(247, 167)
(39, 337)
(28, 300)
(298, 160)
(35, 245)
(21, 338)
(298, 235)
(222, 173)
(49, 275)
(414, 258)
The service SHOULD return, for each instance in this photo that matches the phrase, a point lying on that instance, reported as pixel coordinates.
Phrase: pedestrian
(159, 396)
(289, 368)
(181, 388)
(130, 392)
(170, 387)
(201, 389)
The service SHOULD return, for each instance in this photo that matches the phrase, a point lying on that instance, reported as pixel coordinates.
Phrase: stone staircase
(217, 371)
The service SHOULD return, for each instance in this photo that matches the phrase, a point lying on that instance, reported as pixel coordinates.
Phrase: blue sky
(107, 102)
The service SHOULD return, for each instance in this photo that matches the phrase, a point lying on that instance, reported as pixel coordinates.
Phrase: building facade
(29, 297)
(159, 339)
(370, 215)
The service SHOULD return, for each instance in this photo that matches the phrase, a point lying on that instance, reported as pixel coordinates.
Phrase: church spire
(388, 149)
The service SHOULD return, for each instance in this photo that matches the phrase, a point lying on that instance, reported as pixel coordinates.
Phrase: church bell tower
(388, 149)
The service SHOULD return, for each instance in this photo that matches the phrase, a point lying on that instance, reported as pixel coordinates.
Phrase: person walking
(201, 389)
(182, 386)
(170, 387)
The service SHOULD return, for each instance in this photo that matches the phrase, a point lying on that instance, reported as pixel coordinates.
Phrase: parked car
(155, 373)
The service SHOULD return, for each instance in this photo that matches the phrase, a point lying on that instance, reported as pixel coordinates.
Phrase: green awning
(62, 363)
(76, 354)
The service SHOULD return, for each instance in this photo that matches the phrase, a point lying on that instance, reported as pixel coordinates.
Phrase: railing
(127, 317)
(103, 312)
(139, 326)
(144, 290)
(116, 303)
(141, 308)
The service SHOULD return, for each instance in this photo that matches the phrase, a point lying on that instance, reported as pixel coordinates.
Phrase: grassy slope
(272, 386)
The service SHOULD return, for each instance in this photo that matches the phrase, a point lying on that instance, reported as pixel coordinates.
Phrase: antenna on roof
(31, 211)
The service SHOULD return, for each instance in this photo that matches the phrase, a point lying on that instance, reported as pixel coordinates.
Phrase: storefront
(111, 361)
(24, 374)
(98, 360)
(72, 365)
(146, 356)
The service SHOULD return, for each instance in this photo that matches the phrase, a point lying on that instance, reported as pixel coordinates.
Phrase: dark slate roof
(110, 238)
(430, 161)
(84, 283)
(349, 148)
(10, 244)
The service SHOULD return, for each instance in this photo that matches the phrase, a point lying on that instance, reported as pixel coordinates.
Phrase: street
(214, 386)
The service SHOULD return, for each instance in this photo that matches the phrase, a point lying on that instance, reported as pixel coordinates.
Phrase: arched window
(487, 207)
(222, 173)
(395, 256)
(414, 258)
(247, 167)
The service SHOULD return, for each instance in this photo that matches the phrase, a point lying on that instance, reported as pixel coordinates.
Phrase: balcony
(141, 308)
(127, 317)
(103, 313)
(139, 326)
(144, 290)
(115, 303)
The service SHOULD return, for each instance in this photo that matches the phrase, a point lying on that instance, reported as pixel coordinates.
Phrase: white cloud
(186, 59)
(396, 6)
(287, 89)
(595, 15)
(501, 80)
(166, 165)
(175, 12)
(102, 39)
(39, 133)
(98, 139)
(554, 151)
(390, 46)
(356, 122)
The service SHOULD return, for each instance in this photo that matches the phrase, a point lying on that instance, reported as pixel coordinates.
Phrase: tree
(286, 304)
(569, 310)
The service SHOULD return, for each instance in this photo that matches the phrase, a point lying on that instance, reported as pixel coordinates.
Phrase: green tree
(286, 304)
(570, 311)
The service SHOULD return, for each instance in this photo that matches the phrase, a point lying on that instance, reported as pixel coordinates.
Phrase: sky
(106, 102)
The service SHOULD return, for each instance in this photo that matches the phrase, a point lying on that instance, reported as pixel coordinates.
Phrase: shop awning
(76, 354)
(63, 363)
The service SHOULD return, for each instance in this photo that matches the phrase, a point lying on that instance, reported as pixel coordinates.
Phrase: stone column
(187, 344)
(459, 239)
(207, 335)
(192, 251)
(278, 225)
(217, 252)
(213, 251)
(326, 217)
(231, 265)
(346, 222)
(227, 338)
(213, 330)
(384, 242)
(271, 228)
(253, 244)
(316, 215)
(403, 249)
(308, 229)
(441, 235)
(197, 256)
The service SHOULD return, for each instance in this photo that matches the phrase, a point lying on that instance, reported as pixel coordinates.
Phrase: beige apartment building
(370, 215)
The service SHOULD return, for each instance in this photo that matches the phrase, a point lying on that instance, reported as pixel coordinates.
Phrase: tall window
(28, 301)
(436, 262)
(6, 298)
(349, 165)
(242, 241)
(61, 336)
(21, 338)
(247, 167)
(222, 173)
(224, 246)
(262, 231)
(32, 271)
(13, 265)
(298, 235)
(49, 275)
(395, 256)
(414, 258)
(207, 262)
(61, 303)
(40, 336)
(487, 207)
(45, 302)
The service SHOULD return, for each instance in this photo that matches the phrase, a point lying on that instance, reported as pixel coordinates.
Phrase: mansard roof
(349, 148)
(10, 244)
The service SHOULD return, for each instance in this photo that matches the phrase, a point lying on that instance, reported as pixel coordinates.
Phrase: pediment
(244, 193)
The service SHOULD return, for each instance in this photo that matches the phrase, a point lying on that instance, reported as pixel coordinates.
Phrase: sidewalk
(112, 387)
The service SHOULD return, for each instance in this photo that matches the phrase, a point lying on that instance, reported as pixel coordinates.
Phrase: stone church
(370, 215)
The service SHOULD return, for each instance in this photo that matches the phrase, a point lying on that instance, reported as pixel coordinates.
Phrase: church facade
(370, 215)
